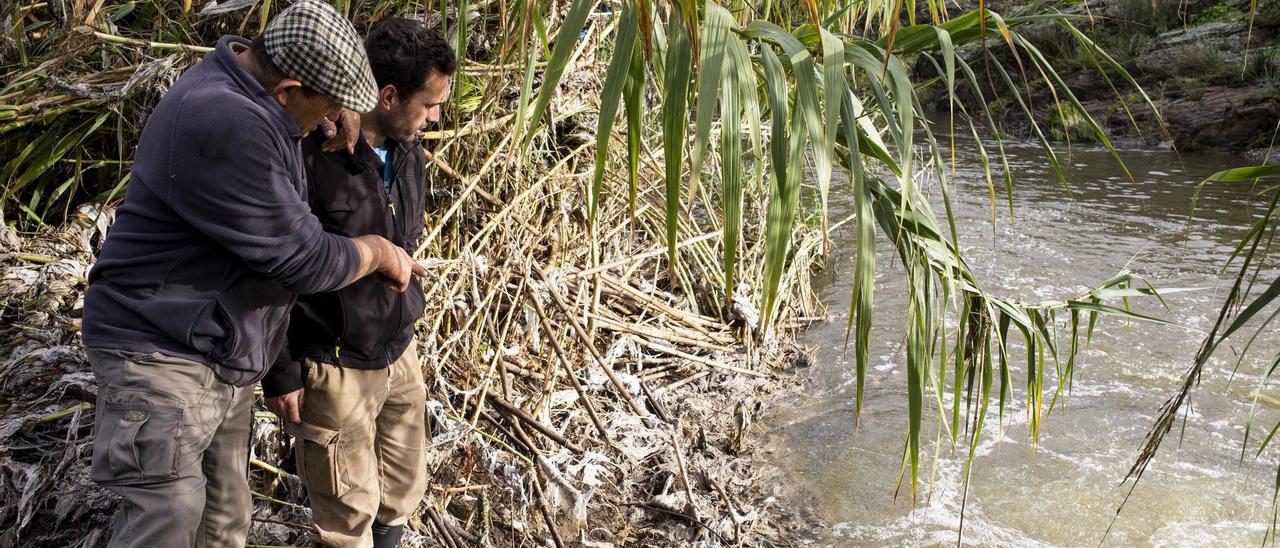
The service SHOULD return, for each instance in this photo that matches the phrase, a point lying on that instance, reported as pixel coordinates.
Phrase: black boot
(387, 536)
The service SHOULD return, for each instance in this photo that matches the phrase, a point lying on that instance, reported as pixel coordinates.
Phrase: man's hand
(287, 406)
(398, 268)
(341, 134)
(392, 266)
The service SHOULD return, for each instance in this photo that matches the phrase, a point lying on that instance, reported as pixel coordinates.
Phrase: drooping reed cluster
(617, 236)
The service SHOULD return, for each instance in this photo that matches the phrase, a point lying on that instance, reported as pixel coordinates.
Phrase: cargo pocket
(137, 441)
(319, 461)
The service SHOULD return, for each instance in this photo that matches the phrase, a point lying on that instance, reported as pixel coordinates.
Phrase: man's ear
(282, 89)
(387, 96)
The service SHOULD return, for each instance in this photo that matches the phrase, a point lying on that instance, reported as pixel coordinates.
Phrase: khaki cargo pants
(360, 447)
(172, 440)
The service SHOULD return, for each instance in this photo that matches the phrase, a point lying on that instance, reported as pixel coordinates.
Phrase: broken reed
(505, 231)
(809, 88)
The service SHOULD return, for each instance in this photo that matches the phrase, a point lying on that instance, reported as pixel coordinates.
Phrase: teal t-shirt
(384, 154)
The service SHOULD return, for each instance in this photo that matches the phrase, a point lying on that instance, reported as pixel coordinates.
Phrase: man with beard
(351, 389)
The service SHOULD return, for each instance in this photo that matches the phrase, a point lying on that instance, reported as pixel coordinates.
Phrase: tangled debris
(635, 439)
(582, 390)
(47, 390)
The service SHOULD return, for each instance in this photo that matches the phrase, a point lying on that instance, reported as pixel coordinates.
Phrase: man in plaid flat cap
(189, 301)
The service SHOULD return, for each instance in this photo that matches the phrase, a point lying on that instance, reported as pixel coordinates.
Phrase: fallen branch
(547, 431)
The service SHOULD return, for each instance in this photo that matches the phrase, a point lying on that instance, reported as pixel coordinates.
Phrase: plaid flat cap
(313, 44)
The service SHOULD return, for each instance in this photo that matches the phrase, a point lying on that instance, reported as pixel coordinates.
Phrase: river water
(1064, 491)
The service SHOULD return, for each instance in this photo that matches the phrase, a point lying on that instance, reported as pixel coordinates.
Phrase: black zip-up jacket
(364, 325)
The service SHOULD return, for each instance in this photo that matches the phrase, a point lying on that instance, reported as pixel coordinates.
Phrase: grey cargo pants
(173, 441)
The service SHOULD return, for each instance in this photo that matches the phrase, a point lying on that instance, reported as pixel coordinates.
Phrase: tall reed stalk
(726, 108)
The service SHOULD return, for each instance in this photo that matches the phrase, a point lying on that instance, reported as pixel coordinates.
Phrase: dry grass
(588, 380)
(569, 402)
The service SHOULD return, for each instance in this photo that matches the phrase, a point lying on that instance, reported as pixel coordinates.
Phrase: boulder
(1222, 118)
(1169, 49)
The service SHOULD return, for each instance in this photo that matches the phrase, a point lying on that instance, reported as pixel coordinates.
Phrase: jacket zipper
(395, 175)
(337, 343)
(395, 188)
(391, 207)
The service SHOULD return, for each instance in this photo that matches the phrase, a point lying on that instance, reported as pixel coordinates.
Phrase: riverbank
(677, 459)
(1210, 67)
(585, 389)
(589, 384)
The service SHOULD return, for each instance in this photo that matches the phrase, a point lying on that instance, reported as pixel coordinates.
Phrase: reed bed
(579, 393)
(562, 409)
(607, 308)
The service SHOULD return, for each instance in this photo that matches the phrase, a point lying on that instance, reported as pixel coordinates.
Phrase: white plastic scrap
(479, 263)
(742, 306)
(535, 328)
(631, 382)
(565, 497)
(507, 351)
(590, 470)
(622, 346)
(563, 398)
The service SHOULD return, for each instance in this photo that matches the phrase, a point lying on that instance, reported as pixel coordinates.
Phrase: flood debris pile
(585, 405)
(582, 390)
(46, 388)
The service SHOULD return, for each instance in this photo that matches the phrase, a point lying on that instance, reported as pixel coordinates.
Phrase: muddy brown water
(1065, 491)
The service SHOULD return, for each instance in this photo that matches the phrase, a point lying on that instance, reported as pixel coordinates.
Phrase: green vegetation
(1201, 62)
(781, 81)
(1069, 123)
(1244, 310)
(689, 89)
(1182, 52)
(1264, 68)
(1149, 17)
(1217, 13)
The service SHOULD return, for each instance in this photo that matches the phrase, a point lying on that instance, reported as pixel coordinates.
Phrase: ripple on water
(1197, 492)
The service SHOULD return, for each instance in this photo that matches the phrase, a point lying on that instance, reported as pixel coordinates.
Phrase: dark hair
(403, 52)
(268, 67)
(270, 72)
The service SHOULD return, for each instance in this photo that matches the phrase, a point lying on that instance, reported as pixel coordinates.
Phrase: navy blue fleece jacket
(215, 238)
